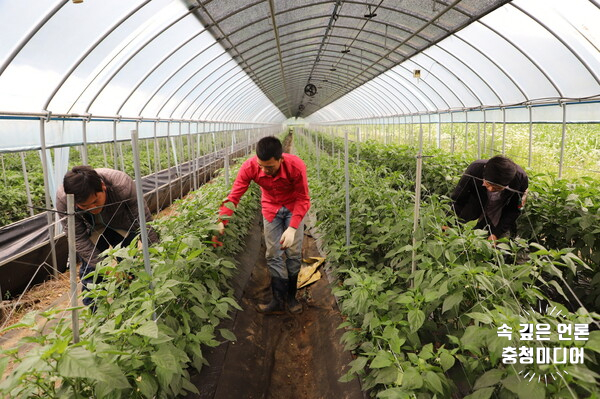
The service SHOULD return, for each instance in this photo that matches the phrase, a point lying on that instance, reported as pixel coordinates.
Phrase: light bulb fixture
(332, 68)
(417, 74)
(77, 1)
(346, 50)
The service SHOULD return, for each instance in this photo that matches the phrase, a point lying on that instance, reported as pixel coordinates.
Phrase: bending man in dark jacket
(108, 214)
(492, 192)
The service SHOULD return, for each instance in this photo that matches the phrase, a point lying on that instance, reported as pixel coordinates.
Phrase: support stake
(72, 265)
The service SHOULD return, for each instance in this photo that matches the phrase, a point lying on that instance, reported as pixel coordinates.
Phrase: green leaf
(228, 335)
(593, 342)
(583, 373)
(148, 329)
(396, 343)
(188, 386)
(386, 375)
(434, 381)
(232, 302)
(447, 360)
(3, 364)
(358, 364)
(383, 359)
(451, 301)
(394, 393)
(481, 317)
(78, 362)
(164, 358)
(147, 385)
(416, 318)
(412, 379)
(523, 388)
(484, 393)
(489, 378)
(112, 374)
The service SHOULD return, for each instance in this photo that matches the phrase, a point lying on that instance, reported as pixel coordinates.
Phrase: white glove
(221, 228)
(287, 238)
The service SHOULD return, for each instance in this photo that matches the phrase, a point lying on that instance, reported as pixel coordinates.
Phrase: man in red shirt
(285, 201)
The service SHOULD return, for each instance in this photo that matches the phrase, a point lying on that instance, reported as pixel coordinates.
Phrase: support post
(84, 148)
(49, 213)
(140, 204)
(563, 140)
(503, 131)
(27, 189)
(72, 265)
(416, 212)
(115, 145)
(530, 159)
(156, 168)
(347, 187)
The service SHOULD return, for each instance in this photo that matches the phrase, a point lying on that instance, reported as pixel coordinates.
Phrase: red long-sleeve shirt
(288, 188)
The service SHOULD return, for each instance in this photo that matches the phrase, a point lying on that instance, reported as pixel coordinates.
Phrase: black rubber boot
(293, 305)
(279, 288)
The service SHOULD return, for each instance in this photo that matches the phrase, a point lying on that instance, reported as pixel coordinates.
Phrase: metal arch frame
(243, 99)
(409, 82)
(279, 53)
(474, 73)
(135, 53)
(193, 75)
(161, 62)
(447, 9)
(355, 59)
(32, 32)
(440, 82)
(412, 87)
(248, 69)
(260, 20)
(245, 82)
(524, 54)
(564, 43)
(224, 94)
(236, 112)
(268, 80)
(369, 43)
(240, 70)
(430, 23)
(457, 77)
(202, 81)
(174, 73)
(300, 66)
(325, 54)
(389, 81)
(397, 109)
(86, 53)
(306, 66)
(350, 103)
(377, 101)
(268, 114)
(246, 97)
(295, 65)
(350, 97)
(508, 76)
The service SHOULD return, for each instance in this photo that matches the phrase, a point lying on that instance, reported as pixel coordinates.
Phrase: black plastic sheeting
(25, 256)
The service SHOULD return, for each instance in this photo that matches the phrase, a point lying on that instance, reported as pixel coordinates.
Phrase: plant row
(148, 330)
(559, 213)
(433, 332)
(13, 198)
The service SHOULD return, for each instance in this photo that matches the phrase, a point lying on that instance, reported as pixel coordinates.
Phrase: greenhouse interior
(424, 220)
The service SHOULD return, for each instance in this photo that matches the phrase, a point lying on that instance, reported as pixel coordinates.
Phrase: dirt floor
(278, 356)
